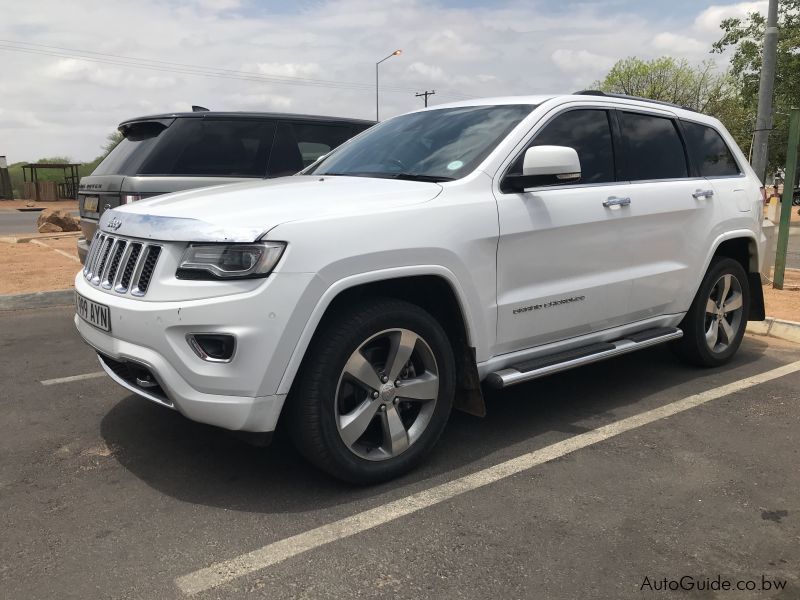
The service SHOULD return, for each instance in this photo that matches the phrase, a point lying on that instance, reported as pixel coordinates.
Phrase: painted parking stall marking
(71, 378)
(271, 554)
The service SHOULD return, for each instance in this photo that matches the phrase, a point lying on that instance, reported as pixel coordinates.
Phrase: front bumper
(240, 395)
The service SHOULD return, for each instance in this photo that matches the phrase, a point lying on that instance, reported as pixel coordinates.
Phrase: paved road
(12, 222)
(104, 495)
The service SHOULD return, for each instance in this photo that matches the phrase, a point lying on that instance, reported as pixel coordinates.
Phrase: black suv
(172, 152)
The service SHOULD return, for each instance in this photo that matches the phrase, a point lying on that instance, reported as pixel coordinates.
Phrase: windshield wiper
(390, 175)
(419, 177)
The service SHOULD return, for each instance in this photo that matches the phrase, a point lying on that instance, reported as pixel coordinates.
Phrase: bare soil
(33, 268)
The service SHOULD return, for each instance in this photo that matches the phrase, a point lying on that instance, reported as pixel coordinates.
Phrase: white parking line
(61, 252)
(94, 375)
(228, 570)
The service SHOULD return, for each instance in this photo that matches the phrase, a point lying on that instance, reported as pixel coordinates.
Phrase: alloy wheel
(386, 394)
(724, 313)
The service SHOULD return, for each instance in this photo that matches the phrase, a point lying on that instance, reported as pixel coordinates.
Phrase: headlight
(229, 261)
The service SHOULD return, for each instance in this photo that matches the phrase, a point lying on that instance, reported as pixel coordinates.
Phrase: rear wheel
(715, 323)
(375, 391)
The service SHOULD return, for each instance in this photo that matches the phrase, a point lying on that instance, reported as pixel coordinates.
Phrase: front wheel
(375, 391)
(715, 323)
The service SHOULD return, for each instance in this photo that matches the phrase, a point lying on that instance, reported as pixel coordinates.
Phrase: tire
(339, 392)
(711, 335)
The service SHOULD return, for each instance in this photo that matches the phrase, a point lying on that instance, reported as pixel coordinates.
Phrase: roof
(584, 95)
(50, 165)
(247, 115)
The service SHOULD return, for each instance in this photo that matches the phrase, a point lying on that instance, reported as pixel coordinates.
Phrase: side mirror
(545, 165)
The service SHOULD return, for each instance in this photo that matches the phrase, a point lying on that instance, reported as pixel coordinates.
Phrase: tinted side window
(709, 152)
(652, 146)
(206, 147)
(587, 131)
(297, 145)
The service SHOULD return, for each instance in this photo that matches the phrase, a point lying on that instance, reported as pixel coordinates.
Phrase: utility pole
(425, 95)
(765, 89)
(786, 201)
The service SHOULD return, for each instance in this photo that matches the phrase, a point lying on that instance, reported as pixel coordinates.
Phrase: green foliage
(668, 80)
(17, 179)
(699, 87)
(745, 37)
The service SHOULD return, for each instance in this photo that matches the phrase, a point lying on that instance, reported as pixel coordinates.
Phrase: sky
(311, 56)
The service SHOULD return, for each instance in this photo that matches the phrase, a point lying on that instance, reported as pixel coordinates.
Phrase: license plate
(93, 313)
(90, 203)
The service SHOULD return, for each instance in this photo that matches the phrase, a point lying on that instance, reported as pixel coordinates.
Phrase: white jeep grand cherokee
(490, 241)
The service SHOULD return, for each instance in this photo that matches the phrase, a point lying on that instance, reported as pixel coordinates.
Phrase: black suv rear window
(710, 154)
(213, 148)
(652, 148)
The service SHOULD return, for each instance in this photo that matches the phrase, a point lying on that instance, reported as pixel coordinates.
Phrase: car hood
(243, 212)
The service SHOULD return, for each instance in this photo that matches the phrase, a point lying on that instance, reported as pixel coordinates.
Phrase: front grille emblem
(114, 224)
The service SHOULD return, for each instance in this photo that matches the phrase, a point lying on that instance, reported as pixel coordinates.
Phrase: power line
(188, 69)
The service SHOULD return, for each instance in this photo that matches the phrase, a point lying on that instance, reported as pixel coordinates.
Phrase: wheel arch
(434, 289)
(742, 246)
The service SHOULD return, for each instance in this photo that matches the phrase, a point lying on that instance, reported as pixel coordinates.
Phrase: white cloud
(581, 61)
(287, 69)
(258, 102)
(62, 105)
(675, 43)
(709, 20)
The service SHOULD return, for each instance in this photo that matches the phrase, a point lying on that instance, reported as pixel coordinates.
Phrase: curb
(28, 237)
(777, 328)
(37, 300)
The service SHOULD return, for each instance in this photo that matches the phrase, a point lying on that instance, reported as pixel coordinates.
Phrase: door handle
(703, 194)
(614, 201)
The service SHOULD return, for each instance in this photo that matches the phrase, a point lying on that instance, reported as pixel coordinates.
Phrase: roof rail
(626, 97)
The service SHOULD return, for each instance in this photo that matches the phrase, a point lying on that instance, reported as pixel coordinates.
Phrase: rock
(49, 228)
(59, 218)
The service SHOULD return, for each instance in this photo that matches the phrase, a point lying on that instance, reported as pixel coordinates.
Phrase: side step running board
(547, 365)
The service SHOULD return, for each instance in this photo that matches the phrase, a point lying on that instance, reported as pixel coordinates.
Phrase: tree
(112, 139)
(745, 38)
(699, 88)
(668, 80)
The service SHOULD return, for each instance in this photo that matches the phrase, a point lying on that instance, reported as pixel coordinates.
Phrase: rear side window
(127, 157)
(710, 154)
(589, 133)
(652, 147)
(212, 148)
(297, 145)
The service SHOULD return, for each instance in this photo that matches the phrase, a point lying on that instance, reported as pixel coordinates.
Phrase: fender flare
(351, 281)
(757, 309)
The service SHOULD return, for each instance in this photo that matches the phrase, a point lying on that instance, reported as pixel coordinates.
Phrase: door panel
(667, 230)
(562, 271)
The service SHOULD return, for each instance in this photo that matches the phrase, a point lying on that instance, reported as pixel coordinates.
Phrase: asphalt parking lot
(625, 470)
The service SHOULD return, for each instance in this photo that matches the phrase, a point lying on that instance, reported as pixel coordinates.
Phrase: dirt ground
(17, 204)
(33, 268)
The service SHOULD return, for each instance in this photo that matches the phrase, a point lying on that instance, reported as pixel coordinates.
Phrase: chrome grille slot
(116, 256)
(121, 265)
(130, 266)
(102, 257)
(146, 274)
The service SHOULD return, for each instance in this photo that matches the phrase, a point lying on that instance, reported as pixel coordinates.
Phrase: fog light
(212, 347)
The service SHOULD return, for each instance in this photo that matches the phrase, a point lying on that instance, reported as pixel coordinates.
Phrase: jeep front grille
(124, 266)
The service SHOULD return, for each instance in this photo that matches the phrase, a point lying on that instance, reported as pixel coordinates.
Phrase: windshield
(434, 145)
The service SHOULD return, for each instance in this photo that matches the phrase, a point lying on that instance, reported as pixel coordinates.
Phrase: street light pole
(395, 53)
